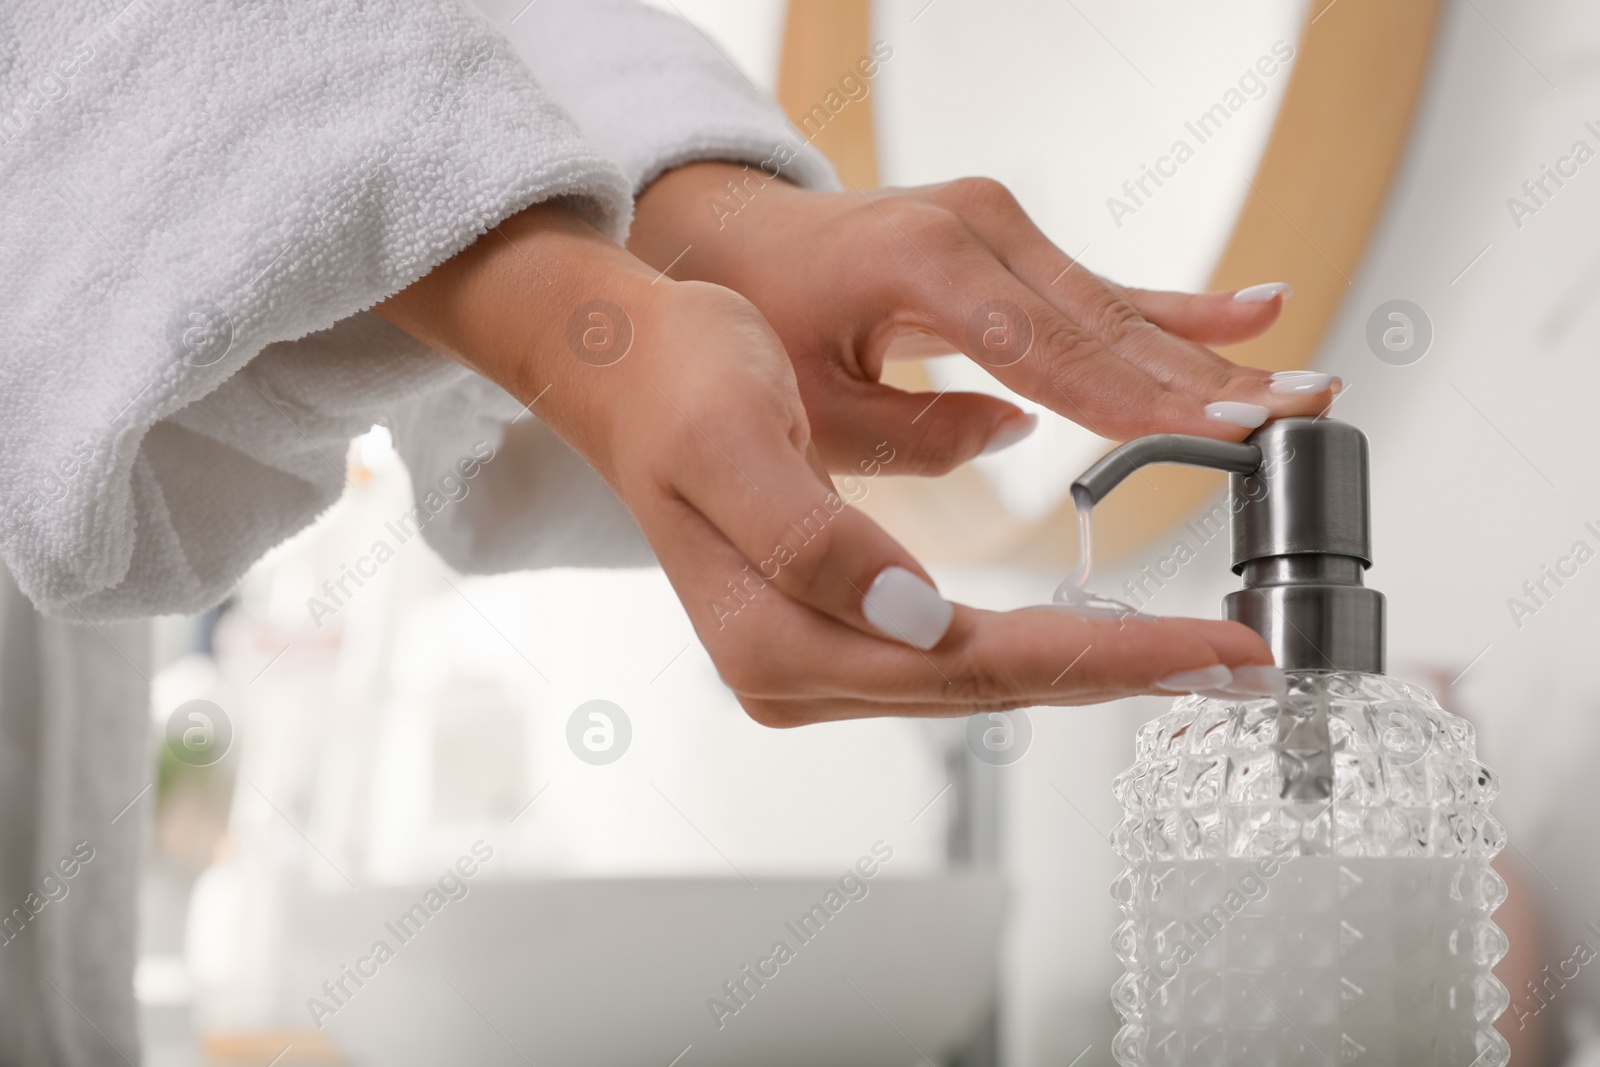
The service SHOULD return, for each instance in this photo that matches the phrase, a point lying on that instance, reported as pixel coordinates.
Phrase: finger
(745, 470)
(1245, 681)
(769, 647)
(1235, 393)
(864, 424)
(1015, 659)
(785, 714)
(1073, 363)
(1211, 318)
(1111, 317)
(1060, 658)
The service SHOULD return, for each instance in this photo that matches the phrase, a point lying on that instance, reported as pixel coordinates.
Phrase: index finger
(1029, 656)
(1075, 318)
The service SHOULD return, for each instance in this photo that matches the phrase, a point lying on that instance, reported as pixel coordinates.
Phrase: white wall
(1462, 513)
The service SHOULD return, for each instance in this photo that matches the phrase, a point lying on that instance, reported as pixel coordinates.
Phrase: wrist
(706, 220)
(576, 327)
(547, 307)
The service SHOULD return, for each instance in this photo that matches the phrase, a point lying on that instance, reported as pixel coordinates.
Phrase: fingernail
(1194, 681)
(1257, 681)
(1240, 414)
(1260, 294)
(903, 607)
(1011, 431)
(1299, 381)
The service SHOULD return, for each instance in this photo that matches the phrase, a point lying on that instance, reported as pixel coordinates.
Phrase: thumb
(931, 433)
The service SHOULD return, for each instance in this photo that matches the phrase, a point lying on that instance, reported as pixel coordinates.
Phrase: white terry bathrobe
(198, 202)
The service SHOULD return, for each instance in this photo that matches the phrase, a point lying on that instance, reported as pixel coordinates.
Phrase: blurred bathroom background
(376, 747)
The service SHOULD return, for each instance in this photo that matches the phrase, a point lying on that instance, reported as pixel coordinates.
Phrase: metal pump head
(1301, 534)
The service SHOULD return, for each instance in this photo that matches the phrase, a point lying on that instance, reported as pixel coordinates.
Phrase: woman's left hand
(850, 279)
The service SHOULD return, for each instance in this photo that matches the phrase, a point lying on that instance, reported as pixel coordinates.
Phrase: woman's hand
(850, 279)
(684, 400)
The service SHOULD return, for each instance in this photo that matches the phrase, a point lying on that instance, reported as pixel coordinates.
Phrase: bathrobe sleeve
(198, 201)
(653, 92)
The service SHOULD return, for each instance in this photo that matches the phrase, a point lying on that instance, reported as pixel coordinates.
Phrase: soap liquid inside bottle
(1320, 960)
(1290, 900)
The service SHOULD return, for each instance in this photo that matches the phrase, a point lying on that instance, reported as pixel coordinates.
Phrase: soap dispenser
(1307, 877)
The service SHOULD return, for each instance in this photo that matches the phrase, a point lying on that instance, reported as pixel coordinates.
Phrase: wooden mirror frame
(1318, 190)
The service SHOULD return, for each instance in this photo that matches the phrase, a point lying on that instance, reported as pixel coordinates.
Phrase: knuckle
(1115, 321)
(1069, 352)
(1067, 342)
(930, 229)
(985, 194)
(697, 300)
(976, 681)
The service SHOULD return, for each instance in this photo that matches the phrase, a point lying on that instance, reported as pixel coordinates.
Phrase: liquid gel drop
(1073, 594)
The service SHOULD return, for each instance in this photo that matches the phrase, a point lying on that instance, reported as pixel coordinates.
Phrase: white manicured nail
(1299, 381)
(905, 608)
(1257, 681)
(1011, 431)
(1237, 412)
(1260, 294)
(1194, 681)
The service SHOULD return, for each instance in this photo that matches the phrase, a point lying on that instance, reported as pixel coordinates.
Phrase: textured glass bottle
(1307, 876)
(1308, 882)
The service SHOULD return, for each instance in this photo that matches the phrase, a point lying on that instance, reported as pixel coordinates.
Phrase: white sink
(613, 972)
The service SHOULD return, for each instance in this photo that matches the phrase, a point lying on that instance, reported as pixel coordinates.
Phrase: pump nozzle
(1123, 460)
(1301, 538)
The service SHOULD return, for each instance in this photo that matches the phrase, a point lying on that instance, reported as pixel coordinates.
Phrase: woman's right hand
(683, 399)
